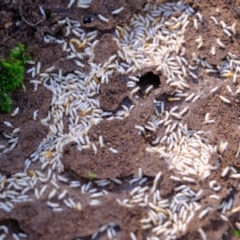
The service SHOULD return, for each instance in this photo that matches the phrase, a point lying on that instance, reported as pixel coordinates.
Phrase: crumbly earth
(20, 21)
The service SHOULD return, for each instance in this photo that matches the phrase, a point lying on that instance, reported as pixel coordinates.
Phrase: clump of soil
(23, 22)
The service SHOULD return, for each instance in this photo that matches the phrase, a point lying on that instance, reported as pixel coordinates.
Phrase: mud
(23, 22)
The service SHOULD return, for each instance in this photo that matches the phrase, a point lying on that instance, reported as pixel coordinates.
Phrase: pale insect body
(70, 3)
(214, 89)
(233, 28)
(195, 23)
(52, 193)
(15, 112)
(222, 45)
(215, 21)
(113, 150)
(225, 100)
(117, 11)
(200, 17)
(202, 234)
(67, 102)
(101, 17)
(35, 114)
(8, 124)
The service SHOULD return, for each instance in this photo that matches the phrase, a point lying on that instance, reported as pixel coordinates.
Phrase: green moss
(5, 102)
(92, 175)
(19, 53)
(236, 233)
(11, 75)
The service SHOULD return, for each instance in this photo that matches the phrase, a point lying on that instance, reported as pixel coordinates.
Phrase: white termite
(223, 24)
(70, 3)
(52, 193)
(199, 41)
(113, 150)
(133, 236)
(35, 114)
(43, 190)
(195, 23)
(101, 17)
(213, 185)
(50, 69)
(36, 193)
(4, 228)
(101, 141)
(214, 89)
(155, 182)
(62, 179)
(147, 91)
(220, 44)
(238, 151)
(15, 112)
(135, 90)
(229, 89)
(202, 234)
(233, 28)
(15, 236)
(235, 175)
(62, 195)
(227, 32)
(200, 17)
(225, 171)
(224, 218)
(190, 97)
(3, 236)
(94, 202)
(52, 205)
(225, 100)
(8, 124)
(215, 21)
(38, 68)
(117, 11)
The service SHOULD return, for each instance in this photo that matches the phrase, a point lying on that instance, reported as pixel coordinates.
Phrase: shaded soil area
(35, 219)
(220, 132)
(122, 136)
(226, 11)
(112, 97)
(31, 132)
(213, 226)
(24, 22)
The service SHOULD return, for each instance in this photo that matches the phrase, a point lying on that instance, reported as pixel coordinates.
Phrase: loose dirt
(21, 21)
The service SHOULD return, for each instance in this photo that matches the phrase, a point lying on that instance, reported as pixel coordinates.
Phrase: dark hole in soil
(126, 102)
(12, 225)
(149, 79)
(164, 97)
(87, 20)
(227, 236)
(124, 79)
(48, 14)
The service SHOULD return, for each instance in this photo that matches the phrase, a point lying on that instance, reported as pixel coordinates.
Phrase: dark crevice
(126, 102)
(147, 80)
(12, 225)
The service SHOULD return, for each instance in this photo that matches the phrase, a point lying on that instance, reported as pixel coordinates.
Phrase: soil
(35, 219)
(20, 21)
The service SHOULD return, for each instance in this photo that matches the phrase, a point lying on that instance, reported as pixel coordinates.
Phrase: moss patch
(11, 75)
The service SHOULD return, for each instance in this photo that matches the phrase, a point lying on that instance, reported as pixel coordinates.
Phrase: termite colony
(152, 39)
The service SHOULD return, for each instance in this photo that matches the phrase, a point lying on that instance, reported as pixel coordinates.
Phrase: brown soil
(21, 22)
(31, 131)
(113, 96)
(35, 219)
